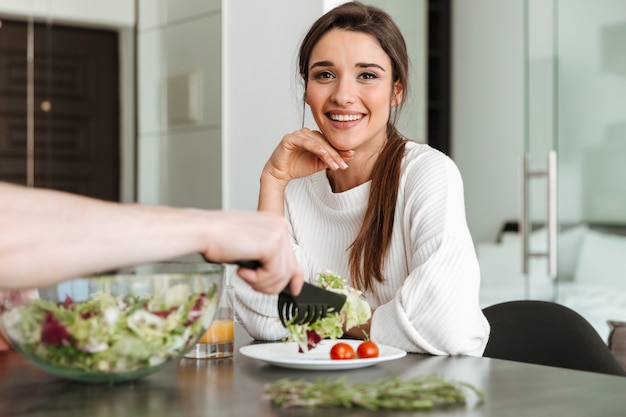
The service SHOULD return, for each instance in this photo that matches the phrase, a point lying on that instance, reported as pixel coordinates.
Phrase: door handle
(550, 174)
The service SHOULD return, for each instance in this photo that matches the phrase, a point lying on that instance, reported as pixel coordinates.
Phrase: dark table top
(233, 387)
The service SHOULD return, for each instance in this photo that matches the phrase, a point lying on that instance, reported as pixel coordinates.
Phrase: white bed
(591, 279)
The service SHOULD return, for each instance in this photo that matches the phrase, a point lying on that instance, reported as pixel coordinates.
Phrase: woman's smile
(342, 120)
(345, 117)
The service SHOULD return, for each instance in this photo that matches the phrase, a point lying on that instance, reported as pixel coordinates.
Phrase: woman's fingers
(305, 152)
(333, 158)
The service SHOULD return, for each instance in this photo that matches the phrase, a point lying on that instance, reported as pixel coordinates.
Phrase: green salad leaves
(356, 311)
(111, 334)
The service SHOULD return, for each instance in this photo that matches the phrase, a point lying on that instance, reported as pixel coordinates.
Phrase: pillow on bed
(501, 263)
(602, 260)
(569, 243)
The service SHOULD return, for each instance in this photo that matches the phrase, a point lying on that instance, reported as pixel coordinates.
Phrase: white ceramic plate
(286, 355)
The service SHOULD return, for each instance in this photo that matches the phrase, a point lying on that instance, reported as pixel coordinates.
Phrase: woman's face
(350, 89)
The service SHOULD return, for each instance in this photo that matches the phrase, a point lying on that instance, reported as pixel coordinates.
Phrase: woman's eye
(323, 75)
(368, 76)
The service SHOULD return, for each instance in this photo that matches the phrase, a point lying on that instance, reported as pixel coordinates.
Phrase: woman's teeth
(345, 117)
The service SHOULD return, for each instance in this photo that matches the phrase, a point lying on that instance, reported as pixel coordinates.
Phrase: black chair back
(547, 333)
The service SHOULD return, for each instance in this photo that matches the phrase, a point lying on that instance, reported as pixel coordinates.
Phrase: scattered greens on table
(111, 334)
(354, 312)
(420, 393)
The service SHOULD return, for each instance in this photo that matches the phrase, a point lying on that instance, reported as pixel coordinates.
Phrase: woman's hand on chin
(302, 153)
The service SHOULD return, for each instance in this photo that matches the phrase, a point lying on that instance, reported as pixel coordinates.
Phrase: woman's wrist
(272, 193)
(269, 179)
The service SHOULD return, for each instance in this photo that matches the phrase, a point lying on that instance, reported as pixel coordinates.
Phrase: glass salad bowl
(115, 327)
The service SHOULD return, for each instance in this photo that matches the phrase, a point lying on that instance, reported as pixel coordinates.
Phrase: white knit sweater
(429, 300)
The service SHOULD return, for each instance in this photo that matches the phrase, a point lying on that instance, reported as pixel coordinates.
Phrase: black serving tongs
(310, 305)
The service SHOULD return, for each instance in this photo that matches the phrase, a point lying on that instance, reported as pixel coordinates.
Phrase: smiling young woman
(350, 93)
(384, 212)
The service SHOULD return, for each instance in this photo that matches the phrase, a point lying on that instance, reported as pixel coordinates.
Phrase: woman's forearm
(272, 194)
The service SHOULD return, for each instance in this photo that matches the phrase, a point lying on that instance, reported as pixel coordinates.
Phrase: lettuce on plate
(355, 312)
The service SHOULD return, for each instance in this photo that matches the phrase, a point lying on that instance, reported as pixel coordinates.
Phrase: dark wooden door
(76, 110)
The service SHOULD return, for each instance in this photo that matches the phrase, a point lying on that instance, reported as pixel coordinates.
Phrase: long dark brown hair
(367, 252)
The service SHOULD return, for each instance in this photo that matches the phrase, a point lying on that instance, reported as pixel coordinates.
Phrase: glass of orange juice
(218, 340)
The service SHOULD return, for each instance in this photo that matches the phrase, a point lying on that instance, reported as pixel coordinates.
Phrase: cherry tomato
(342, 351)
(367, 349)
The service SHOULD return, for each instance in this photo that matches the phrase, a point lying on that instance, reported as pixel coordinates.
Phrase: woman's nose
(344, 92)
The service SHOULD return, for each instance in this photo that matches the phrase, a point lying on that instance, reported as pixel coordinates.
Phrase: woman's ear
(398, 94)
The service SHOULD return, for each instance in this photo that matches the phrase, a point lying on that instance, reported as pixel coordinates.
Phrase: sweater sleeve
(436, 308)
(257, 312)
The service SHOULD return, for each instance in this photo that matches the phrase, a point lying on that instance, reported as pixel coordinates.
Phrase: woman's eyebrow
(321, 64)
(357, 65)
(369, 65)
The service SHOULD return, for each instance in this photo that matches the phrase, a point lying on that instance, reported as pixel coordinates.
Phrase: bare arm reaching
(47, 236)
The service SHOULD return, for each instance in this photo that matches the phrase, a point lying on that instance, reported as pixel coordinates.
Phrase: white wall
(488, 109)
(262, 98)
(587, 115)
(592, 111)
(180, 161)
